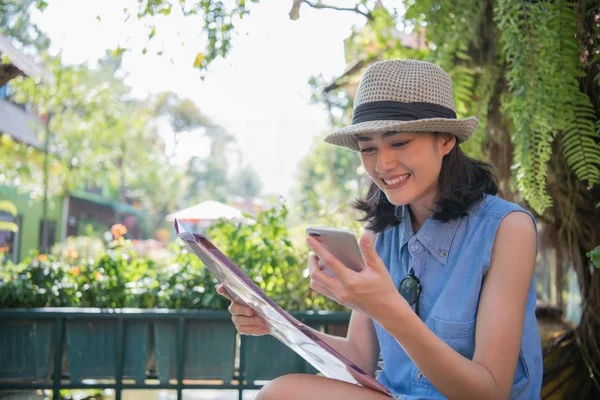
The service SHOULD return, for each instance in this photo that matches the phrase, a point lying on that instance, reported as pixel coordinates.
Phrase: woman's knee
(284, 387)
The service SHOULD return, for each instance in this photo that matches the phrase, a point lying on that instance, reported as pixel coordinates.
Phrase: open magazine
(284, 327)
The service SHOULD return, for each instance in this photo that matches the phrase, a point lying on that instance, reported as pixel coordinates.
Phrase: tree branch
(320, 5)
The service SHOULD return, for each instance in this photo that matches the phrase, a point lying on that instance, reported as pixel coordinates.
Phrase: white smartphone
(341, 243)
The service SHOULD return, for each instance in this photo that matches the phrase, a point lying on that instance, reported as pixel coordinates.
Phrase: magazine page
(284, 327)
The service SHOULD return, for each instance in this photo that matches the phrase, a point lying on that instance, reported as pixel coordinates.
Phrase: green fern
(525, 48)
(543, 55)
(544, 60)
(575, 115)
(463, 80)
(580, 141)
(483, 90)
(542, 52)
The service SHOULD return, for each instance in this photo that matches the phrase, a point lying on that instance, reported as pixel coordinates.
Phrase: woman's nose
(386, 160)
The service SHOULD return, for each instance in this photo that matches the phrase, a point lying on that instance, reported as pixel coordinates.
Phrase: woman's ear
(446, 142)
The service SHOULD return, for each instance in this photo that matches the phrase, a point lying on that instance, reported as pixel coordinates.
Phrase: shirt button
(419, 375)
(442, 254)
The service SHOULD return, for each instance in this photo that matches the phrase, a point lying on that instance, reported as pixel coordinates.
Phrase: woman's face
(405, 165)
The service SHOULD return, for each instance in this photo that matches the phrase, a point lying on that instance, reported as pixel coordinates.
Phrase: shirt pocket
(458, 335)
(521, 377)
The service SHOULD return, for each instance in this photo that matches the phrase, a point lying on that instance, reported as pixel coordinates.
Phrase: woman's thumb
(367, 246)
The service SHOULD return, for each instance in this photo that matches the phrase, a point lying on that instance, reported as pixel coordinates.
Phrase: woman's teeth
(397, 180)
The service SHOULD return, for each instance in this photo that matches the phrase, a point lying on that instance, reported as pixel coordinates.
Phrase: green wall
(31, 212)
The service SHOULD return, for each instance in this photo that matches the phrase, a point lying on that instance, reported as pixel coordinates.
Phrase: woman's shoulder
(486, 218)
(495, 207)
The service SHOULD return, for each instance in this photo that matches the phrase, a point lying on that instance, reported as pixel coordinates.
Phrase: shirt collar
(436, 236)
(406, 227)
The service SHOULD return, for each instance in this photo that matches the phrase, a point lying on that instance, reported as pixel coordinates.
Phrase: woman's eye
(367, 150)
(399, 144)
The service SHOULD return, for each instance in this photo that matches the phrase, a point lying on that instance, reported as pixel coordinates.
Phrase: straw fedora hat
(403, 96)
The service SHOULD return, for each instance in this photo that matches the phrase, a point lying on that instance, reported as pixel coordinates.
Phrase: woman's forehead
(363, 137)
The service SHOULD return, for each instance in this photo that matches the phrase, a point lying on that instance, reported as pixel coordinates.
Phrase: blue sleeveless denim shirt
(451, 260)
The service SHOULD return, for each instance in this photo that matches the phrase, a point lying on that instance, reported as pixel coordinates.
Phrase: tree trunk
(572, 228)
(572, 362)
(499, 146)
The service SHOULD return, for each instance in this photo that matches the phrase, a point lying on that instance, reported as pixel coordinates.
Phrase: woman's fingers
(317, 287)
(316, 274)
(314, 265)
(250, 325)
(223, 292)
(243, 317)
(240, 320)
(254, 330)
(313, 262)
(238, 309)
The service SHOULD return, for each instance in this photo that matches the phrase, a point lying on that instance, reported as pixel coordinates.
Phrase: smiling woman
(447, 295)
(405, 165)
(432, 165)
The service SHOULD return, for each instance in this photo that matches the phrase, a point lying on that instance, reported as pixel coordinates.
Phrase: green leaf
(594, 255)
(166, 10)
(41, 5)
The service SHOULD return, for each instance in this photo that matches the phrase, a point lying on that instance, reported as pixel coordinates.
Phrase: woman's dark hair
(462, 183)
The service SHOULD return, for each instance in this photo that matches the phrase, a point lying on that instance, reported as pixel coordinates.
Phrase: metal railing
(73, 348)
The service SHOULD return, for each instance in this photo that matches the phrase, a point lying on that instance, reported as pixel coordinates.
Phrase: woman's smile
(395, 182)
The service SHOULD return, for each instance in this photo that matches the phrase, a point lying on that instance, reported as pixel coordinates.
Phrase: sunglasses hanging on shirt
(410, 288)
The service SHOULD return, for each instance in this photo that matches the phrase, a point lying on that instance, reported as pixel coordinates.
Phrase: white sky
(259, 93)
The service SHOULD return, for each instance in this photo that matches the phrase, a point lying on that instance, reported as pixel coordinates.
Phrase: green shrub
(78, 248)
(266, 252)
(119, 277)
(38, 282)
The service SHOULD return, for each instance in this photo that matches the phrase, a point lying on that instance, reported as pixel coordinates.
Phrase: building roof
(209, 210)
(18, 60)
(103, 201)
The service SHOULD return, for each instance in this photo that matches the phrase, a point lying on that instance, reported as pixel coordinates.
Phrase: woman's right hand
(244, 318)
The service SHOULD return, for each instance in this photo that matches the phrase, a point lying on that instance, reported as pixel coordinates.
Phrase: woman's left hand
(370, 291)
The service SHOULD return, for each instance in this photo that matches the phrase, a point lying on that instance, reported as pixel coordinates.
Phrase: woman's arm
(360, 346)
(499, 323)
